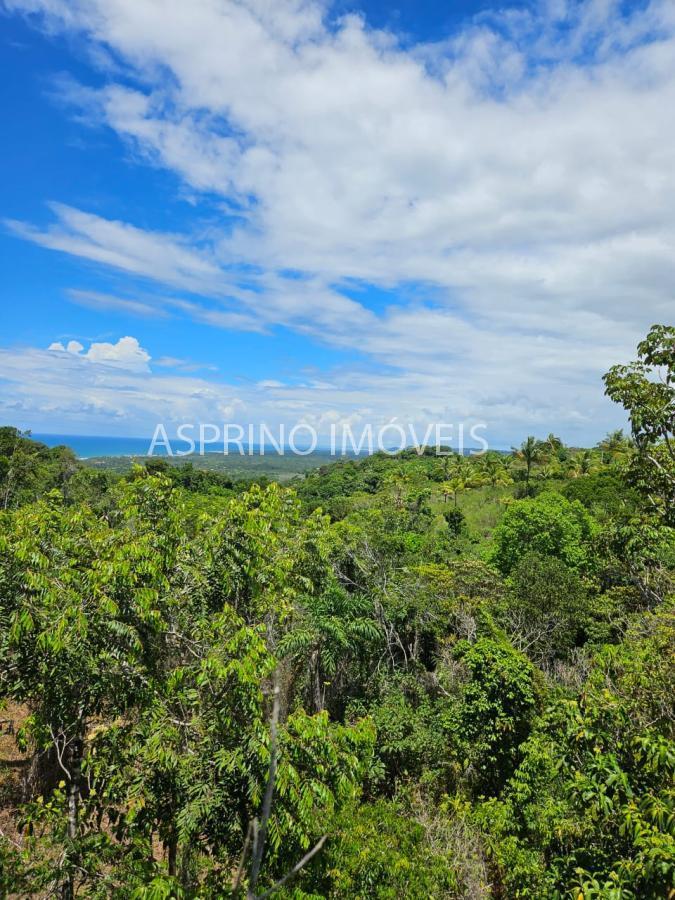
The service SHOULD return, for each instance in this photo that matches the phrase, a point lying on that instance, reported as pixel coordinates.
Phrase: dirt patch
(14, 767)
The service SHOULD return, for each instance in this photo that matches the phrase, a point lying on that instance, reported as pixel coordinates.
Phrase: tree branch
(296, 868)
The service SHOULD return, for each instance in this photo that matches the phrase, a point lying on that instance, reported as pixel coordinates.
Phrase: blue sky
(331, 213)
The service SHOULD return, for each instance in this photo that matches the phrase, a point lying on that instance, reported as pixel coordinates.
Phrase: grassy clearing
(483, 507)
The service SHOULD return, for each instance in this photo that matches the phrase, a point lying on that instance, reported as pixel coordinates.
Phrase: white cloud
(184, 365)
(125, 354)
(109, 384)
(116, 384)
(96, 300)
(251, 302)
(523, 169)
(122, 246)
(73, 347)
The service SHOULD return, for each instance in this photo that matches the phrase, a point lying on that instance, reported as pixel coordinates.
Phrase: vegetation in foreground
(403, 677)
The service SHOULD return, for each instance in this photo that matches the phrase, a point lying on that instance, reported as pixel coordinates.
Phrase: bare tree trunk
(260, 834)
(74, 788)
(74, 792)
(257, 831)
(172, 853)
(8, 488)
(316, 681)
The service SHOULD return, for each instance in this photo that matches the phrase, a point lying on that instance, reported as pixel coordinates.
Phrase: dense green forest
(233, 465)
(421, 675)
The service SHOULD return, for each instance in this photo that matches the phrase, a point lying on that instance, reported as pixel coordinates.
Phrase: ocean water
(85, 446)
(88, 446)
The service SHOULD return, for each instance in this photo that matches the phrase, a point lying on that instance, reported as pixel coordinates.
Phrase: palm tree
(553, 443)
(458, 483)
(448, 461)
(447, 488)
(586, 462)
(399, 480)
(464, 477)
(550, 470)
(615, 445)
(494, 470)
(530, 452)
(581, 464)
(555, 447)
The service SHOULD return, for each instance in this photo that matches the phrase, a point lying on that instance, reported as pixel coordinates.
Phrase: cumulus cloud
(522, 169)
(125, 354)
(118, 383)
(71, 347)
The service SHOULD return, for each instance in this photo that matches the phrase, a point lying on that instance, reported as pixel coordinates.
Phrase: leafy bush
(379, 852)
(493, 712)
(548, 524)
(549, 608)
(590, 809)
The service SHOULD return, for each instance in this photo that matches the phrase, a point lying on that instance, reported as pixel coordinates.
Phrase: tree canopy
(397, 677)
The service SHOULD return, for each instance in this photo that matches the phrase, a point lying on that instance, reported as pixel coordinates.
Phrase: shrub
(548, 524)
